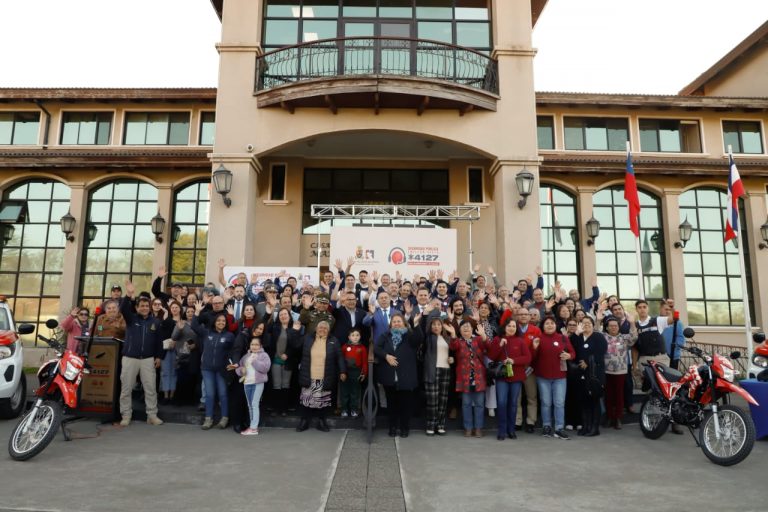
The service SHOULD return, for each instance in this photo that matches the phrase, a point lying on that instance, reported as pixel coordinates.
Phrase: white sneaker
(125, 421)
(353, 414)
(154, 420)
(344, 414)
(491, 413)
(250, 432)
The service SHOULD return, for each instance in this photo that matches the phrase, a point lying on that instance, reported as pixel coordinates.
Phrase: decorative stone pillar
(73, 251)
(670, 214)
(588, 259)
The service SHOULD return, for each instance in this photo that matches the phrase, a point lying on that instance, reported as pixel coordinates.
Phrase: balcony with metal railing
(377, 72)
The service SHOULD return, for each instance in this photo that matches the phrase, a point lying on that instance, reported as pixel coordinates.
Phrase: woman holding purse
(511, 351)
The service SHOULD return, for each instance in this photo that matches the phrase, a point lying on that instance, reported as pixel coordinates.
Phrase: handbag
(592, 384)
(499, 369)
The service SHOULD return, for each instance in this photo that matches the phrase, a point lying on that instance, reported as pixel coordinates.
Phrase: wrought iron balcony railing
(376, 56)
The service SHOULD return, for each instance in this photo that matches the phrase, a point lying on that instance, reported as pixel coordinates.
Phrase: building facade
(386, 102)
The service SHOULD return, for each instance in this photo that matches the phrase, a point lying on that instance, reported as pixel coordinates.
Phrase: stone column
(670, 214)
(230, 230)
(756, 216)
(518, 231)
(73, 251)
(162, 249)
(587, 252)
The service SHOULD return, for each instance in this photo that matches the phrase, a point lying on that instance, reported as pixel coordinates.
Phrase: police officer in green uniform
(314, 311)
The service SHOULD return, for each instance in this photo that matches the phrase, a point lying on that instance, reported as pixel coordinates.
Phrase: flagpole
(742, 266)
(637, 253)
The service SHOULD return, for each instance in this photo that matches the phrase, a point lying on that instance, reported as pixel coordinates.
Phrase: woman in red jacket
(470, 374)
(511, 350)
(550, 356)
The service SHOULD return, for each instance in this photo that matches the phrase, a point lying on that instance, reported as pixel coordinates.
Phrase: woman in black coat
(591, 347)
(284, 335)
(397, 370)
(322, 365)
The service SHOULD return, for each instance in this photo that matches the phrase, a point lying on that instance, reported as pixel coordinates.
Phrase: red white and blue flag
(630, 194)
(735, 191)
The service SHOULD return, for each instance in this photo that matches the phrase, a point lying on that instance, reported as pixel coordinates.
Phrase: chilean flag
(735, 191)
(630, 194)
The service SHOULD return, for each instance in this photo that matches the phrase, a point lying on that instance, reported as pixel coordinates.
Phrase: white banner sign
(257, 275)
(389, 250)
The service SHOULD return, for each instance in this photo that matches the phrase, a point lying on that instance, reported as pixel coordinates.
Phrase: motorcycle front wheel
(35, 431)
(736, 440)
(653, 418)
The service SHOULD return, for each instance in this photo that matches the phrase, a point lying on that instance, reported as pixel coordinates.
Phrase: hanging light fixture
(593, 230)
(176, 232)
(686, 231)
(764, 235)
(222, 180)
(524, 181)
(92, 230)
(8, 231)
(158, 226)
(68, 226)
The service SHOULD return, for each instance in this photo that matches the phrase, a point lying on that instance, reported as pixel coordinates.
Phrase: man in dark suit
(348, 316)
(380, 311)
(238, 301)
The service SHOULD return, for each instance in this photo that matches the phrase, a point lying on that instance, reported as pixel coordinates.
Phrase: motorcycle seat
(669, 374)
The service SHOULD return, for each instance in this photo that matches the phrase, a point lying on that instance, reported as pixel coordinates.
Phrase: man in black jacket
(347, 317)
(142, 352)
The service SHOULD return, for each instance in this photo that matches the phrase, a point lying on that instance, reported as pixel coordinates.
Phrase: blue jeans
(473, 408)
(506, 405)
(215, 385)
(253, 396)
(552, 391)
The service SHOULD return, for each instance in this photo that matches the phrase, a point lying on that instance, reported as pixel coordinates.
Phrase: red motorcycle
(59, 379)
(726, 432)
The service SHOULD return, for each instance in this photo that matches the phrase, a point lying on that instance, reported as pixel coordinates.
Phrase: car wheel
(13, 406)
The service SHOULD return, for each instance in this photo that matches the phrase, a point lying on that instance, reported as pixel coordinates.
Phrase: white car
(13, 383)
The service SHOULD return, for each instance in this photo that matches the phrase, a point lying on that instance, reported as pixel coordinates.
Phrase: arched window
(712, 274)
(559, 238)
(32, 261)
(120, 212)
(190, 221)
(615, 248)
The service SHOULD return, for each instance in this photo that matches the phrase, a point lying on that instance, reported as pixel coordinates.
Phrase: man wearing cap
(157, 291)
(311, 315)
(115, 294)
(270, 299)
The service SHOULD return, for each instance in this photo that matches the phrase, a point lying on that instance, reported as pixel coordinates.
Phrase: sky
(608, 46)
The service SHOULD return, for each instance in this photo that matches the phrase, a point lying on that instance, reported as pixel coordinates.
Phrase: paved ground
(180, 467)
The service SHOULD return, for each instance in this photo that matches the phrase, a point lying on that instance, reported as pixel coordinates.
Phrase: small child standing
(253, 370)
(356, 356)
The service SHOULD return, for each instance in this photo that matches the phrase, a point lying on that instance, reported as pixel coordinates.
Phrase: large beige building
(386, 102)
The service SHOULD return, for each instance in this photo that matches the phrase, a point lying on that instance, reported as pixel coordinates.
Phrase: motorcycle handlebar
(51, 343)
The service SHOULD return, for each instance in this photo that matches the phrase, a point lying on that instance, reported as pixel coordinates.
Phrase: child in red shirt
(356, 356)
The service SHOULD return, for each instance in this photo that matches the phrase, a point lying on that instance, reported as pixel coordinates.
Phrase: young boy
(356, 356)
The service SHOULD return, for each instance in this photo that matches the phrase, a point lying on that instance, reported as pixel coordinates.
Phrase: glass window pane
(29, 284)
(473, 35)
(9, 259)
(125, 190)
(6, 127)
(26, 128)
(144, 236)
(54, 260)
(135, 128)
(395, 9)
(96, 260)
(179, 131)
(147, 192)
(157, 128)
(207, 128)
(119, 260)
(123, 212)
(471, 10)
(39, 190)
(283, 8)
(435, 31)
(121, 236)
(185, 212)
(320, 9)
(574, 135)
(751, 141)
(360, 8)
(545, 132)
(434, 9)
(281, 32)
(697, 313)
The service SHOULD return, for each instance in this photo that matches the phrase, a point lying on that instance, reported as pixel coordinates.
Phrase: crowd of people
(439, 345)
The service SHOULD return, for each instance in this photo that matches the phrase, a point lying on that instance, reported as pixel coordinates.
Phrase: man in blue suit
(379, 313)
